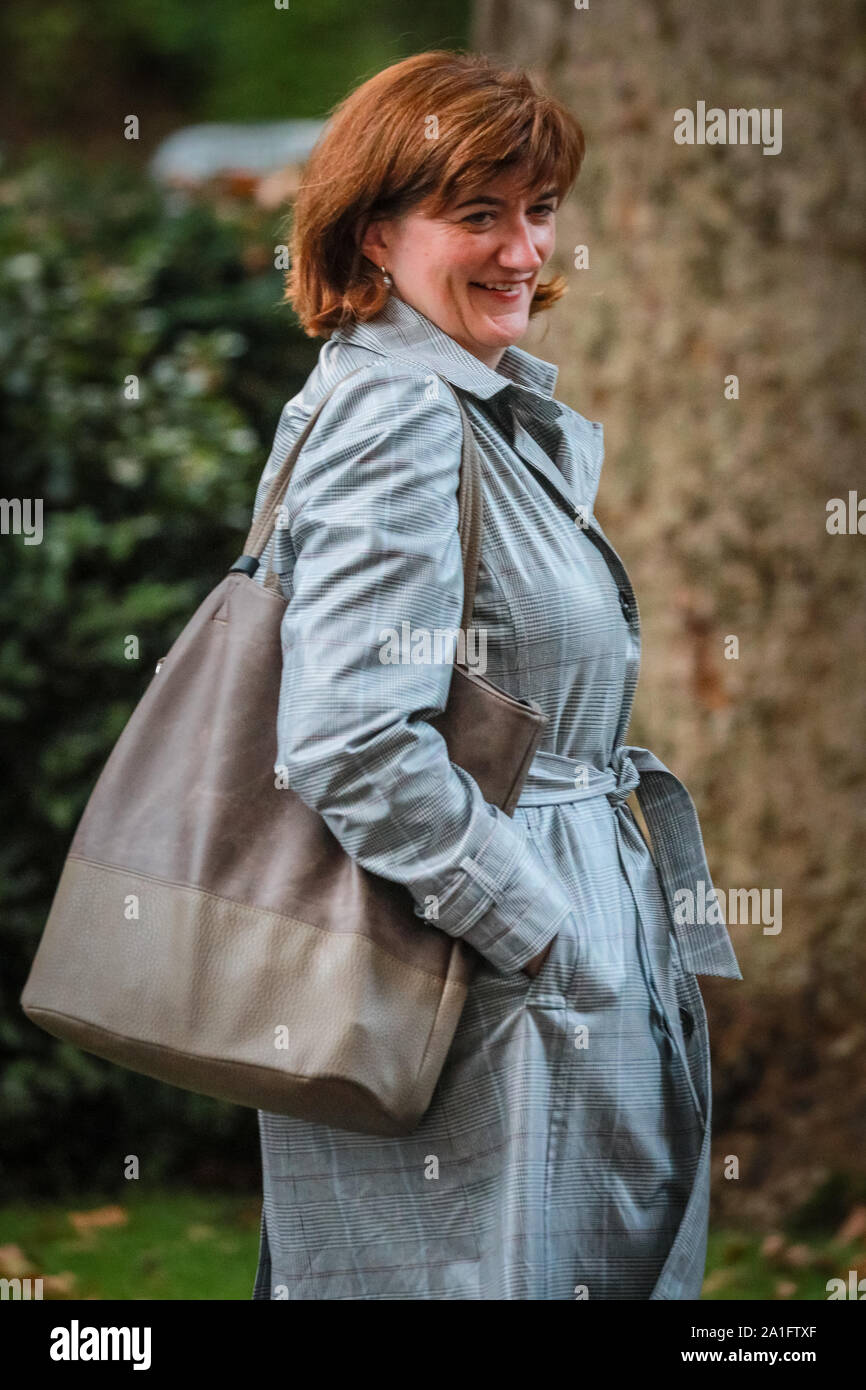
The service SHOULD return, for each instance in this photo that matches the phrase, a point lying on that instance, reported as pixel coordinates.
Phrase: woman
(565, 1153)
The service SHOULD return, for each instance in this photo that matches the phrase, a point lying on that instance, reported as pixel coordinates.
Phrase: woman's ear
(373, 244)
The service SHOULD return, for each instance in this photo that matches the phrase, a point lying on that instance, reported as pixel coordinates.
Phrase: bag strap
(469, 505)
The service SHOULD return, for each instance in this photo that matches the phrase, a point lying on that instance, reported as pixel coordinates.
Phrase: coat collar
(521, 383)
(401, 331)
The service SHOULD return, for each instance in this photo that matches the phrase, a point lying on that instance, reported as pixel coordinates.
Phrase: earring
(386, 278)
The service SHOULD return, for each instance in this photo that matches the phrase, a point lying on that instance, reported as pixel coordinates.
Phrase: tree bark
(707, 262)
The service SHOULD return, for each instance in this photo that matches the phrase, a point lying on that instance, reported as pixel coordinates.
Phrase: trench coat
(566, 1151)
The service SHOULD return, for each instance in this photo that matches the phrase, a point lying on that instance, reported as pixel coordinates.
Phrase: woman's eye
(477, 218)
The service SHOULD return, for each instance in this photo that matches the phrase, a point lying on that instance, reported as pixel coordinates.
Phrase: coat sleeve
(372, 522)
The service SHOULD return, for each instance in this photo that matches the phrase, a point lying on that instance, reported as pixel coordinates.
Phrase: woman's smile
(503, 291)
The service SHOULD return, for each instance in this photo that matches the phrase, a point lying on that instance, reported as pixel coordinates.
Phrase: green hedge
(146, 503)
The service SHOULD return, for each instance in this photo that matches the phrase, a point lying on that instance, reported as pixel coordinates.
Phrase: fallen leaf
(798, 1255)
(853, 1227)
(200, 1232)
(59, 1285)
(13, 1262)
(772, 1246)
(101, 1216)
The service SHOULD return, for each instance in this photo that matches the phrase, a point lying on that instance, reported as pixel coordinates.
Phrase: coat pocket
(550, 987)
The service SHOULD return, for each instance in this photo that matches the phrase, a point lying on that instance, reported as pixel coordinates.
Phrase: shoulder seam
(401, 372)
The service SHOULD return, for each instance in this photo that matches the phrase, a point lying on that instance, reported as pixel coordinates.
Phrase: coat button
(660, 1024)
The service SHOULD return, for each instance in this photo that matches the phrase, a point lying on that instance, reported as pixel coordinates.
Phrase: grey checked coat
(565, 1154)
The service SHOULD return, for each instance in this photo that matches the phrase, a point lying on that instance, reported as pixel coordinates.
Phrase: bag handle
(470, 504)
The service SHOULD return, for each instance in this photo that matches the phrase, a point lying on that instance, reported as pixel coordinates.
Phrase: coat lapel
(574, 476)
(521, 383)
(535, 458)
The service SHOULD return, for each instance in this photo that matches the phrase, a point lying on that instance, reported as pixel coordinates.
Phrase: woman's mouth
(500, 289)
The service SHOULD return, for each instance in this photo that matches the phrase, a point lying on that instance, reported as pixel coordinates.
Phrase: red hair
(416, 133)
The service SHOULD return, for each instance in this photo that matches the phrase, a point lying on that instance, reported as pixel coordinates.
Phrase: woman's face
(443, 266)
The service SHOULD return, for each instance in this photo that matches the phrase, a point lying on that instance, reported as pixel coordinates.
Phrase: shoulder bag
(209, 930)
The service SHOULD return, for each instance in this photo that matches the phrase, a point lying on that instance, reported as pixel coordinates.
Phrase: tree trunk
(708, 261)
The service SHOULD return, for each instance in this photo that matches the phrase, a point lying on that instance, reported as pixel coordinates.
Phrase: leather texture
(200, 898)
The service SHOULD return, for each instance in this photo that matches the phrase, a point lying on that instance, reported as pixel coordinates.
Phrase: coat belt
(677, 845)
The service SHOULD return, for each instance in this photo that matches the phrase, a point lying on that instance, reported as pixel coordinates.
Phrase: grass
(198, 1245)
(777, 1267)
(153, 1245)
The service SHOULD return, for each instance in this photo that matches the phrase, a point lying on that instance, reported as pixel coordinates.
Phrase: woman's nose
(519, 250)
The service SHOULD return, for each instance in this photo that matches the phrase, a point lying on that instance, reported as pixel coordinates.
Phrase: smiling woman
(565, 1151)
(445, 171)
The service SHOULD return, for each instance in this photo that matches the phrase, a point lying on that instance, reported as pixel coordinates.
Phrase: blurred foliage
(168, 61)
(146, 503)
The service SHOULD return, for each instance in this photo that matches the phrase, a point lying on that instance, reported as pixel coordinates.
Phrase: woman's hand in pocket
(532, 967)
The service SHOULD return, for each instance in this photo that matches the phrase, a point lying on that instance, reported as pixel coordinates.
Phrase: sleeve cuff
(504, 903)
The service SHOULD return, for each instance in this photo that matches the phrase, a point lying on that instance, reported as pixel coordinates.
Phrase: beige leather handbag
(208, 929)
